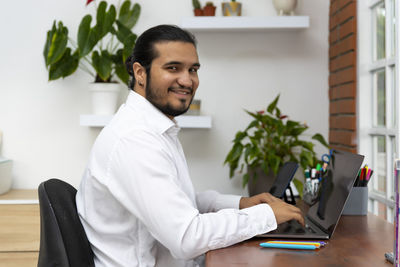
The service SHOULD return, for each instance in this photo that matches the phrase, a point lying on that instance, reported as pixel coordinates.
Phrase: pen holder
(310, 192)
(357, 203)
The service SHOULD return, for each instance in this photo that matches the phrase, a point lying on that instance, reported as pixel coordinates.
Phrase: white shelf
(276, 23)
(183, 121)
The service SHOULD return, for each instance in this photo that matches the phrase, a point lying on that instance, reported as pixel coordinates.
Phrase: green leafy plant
(100, 50)
(269, 141)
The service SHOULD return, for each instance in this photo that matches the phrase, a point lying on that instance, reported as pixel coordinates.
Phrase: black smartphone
(285, 175)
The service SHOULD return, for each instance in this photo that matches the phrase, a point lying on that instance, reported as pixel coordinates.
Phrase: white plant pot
(285, 7)
(105, 97)
(5, 175)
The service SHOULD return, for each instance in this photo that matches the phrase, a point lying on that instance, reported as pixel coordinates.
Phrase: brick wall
(342, 74)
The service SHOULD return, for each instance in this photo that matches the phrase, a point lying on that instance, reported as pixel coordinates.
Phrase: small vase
(198, 12)
(105, 98)
(209, 10)
(231, 9)
(285, 7)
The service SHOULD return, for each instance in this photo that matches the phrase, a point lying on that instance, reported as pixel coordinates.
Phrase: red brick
(348, 138)
(342, 76)
(333, 8)
(343, 61)
(343, 3)
(345, 106)
(345, 45)
(333, 36)
(343, 91)
(347, 28)
(344, 14)
(343, 122)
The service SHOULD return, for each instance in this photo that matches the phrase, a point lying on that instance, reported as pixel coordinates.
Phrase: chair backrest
(63, 241)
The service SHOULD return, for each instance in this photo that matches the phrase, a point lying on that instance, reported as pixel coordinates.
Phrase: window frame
(367, 67)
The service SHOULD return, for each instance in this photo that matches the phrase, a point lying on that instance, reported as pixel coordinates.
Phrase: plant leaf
(320, 139)
(239, 136)
(129, 44)
(127, 16)
(86, 36)
(120, 71)
(237, 151)
(273, 104)
(245, 180)
(306, 158)
(65, 66)
(102, 63)
(56, 43)
(105, 19)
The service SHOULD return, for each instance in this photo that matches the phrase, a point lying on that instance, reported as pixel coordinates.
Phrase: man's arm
(283, 211)
(142, 176)
(212, 201)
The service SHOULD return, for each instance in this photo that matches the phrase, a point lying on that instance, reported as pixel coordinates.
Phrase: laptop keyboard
(294, 227)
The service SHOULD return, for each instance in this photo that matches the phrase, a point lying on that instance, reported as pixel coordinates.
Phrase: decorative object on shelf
(5, 172)
(194, 108)
(5, 175)
(100, 50)
(209, 9)
(197, 8)
(232, 8)
(269, 141)
(285, 7)
(104, 97)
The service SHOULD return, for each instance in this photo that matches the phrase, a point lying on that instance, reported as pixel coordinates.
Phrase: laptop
(323, 216)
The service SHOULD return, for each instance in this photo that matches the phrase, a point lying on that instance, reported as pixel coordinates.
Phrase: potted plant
(197, 8)
(209, 9)
(100, 49)
(231, 8)
(270, 140)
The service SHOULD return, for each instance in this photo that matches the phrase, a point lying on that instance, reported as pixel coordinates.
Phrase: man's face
(173, 77)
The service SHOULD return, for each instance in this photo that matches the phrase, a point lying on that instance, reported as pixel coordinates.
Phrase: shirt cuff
(262, 218)
(227, 202)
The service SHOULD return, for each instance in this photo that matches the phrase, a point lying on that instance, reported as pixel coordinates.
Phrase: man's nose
(185, 80)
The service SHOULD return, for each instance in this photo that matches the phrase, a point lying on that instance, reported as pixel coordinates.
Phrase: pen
(289, 246)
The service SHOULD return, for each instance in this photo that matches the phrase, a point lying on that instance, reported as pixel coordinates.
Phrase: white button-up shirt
(138, 205)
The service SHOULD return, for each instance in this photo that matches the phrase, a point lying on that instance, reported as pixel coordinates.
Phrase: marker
(289, 246)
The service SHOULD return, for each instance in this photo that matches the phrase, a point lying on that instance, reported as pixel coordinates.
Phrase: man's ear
(140, 77)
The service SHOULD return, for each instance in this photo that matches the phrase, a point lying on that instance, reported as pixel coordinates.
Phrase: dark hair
(144, 51)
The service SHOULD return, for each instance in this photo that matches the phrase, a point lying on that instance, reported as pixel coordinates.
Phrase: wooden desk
(357, 241)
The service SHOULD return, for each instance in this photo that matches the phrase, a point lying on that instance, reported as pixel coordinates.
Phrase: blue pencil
(289, 246)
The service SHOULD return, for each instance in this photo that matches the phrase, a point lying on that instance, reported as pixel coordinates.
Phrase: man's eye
(172, 68)
(193, 70)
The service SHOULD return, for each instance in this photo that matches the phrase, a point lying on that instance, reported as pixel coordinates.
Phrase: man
(136, 200)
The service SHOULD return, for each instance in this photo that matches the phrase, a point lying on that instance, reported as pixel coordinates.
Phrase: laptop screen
(335, 189)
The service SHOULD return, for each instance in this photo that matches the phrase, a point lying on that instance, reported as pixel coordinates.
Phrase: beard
(167, 108)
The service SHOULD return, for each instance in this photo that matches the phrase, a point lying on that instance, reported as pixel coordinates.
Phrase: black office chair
(63, 241)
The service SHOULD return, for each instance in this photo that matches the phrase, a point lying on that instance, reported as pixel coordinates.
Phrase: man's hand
(282, 210)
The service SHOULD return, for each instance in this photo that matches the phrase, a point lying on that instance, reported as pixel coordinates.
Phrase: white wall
(40, 119)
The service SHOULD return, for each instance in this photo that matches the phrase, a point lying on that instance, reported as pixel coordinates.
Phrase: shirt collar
(154, 117)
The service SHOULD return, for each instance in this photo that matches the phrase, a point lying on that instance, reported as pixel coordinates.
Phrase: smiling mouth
(181, 91)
